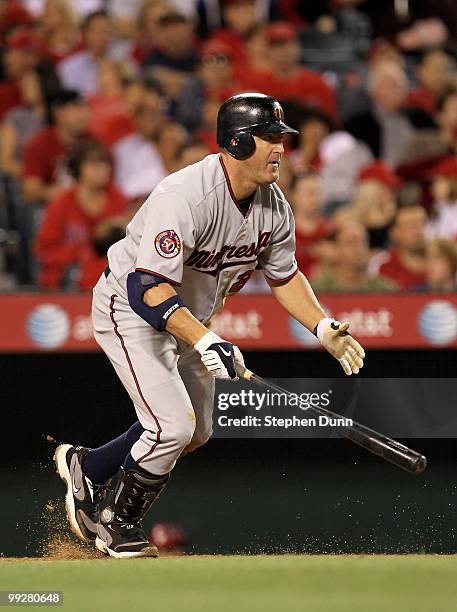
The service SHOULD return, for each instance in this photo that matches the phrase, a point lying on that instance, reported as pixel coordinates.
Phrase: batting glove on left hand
(334, 337)
(219, 356)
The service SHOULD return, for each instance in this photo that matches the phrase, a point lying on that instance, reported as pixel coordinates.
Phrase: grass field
(285, 583)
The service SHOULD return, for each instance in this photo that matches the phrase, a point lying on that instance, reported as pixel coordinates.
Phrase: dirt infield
(59, 543)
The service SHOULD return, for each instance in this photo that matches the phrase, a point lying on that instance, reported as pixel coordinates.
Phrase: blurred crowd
(100, 100)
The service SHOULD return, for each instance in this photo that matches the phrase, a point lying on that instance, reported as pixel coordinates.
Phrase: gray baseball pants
(170, 388)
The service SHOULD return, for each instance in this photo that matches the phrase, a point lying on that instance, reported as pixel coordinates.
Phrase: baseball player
(196, 240)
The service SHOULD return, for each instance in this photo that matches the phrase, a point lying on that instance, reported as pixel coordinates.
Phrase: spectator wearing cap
(440, 266)
(13, 15)
(59, 30)
(443, 222)
(138, 166)
(44, 170)
(22, 51)
(349, 272)
(79, 71)
(404, 262)
(239, 18)
(66, 244)
(373, 204)
(311, 227)
(22, 122)
(433, 73)
(214, 78)
(287, 79)
(174, 56)
(387, 127)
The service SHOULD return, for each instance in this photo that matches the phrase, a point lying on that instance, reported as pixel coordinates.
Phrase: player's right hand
(219, 356)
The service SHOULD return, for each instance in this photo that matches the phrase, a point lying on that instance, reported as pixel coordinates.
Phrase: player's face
(264, 164)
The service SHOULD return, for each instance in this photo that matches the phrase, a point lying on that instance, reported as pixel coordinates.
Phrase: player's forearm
(182, 324)
(298, 298)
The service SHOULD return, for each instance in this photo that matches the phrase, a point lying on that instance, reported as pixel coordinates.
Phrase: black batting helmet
(246, 114)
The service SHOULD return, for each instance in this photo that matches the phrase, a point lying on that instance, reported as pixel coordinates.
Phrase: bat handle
(244, 372)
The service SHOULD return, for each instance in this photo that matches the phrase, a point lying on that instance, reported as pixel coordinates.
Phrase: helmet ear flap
(241, 145)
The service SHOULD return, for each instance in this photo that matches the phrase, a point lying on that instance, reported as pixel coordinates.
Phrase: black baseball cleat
(119, 532)
(124, 540)
(79, 499)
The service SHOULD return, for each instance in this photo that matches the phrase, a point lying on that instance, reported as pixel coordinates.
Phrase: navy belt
(107, 271)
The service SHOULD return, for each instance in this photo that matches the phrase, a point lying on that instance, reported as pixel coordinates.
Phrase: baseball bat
(378, 444)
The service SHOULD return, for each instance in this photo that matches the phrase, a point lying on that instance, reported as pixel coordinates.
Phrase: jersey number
(240, 282)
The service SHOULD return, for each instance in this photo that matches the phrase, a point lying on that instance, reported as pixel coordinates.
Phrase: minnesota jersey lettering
(204, 259)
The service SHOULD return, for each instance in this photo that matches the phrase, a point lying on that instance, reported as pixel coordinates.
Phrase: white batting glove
(219, 356)
(335, 338)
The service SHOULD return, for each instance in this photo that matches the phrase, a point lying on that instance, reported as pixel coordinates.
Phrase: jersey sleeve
(278, 259)
(168, 235)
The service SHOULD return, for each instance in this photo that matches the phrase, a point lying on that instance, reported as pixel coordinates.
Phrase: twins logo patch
(168, 244)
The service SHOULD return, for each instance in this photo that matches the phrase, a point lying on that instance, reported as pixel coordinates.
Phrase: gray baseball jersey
(191, 232)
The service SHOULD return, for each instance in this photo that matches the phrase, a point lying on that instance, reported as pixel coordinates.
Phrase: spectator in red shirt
(44, 155)
(433, 73)
(113, 107)
(404, 262)
(65, 242)
(105, 234)
(22, 52)
(287, 78)
(311, 227)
